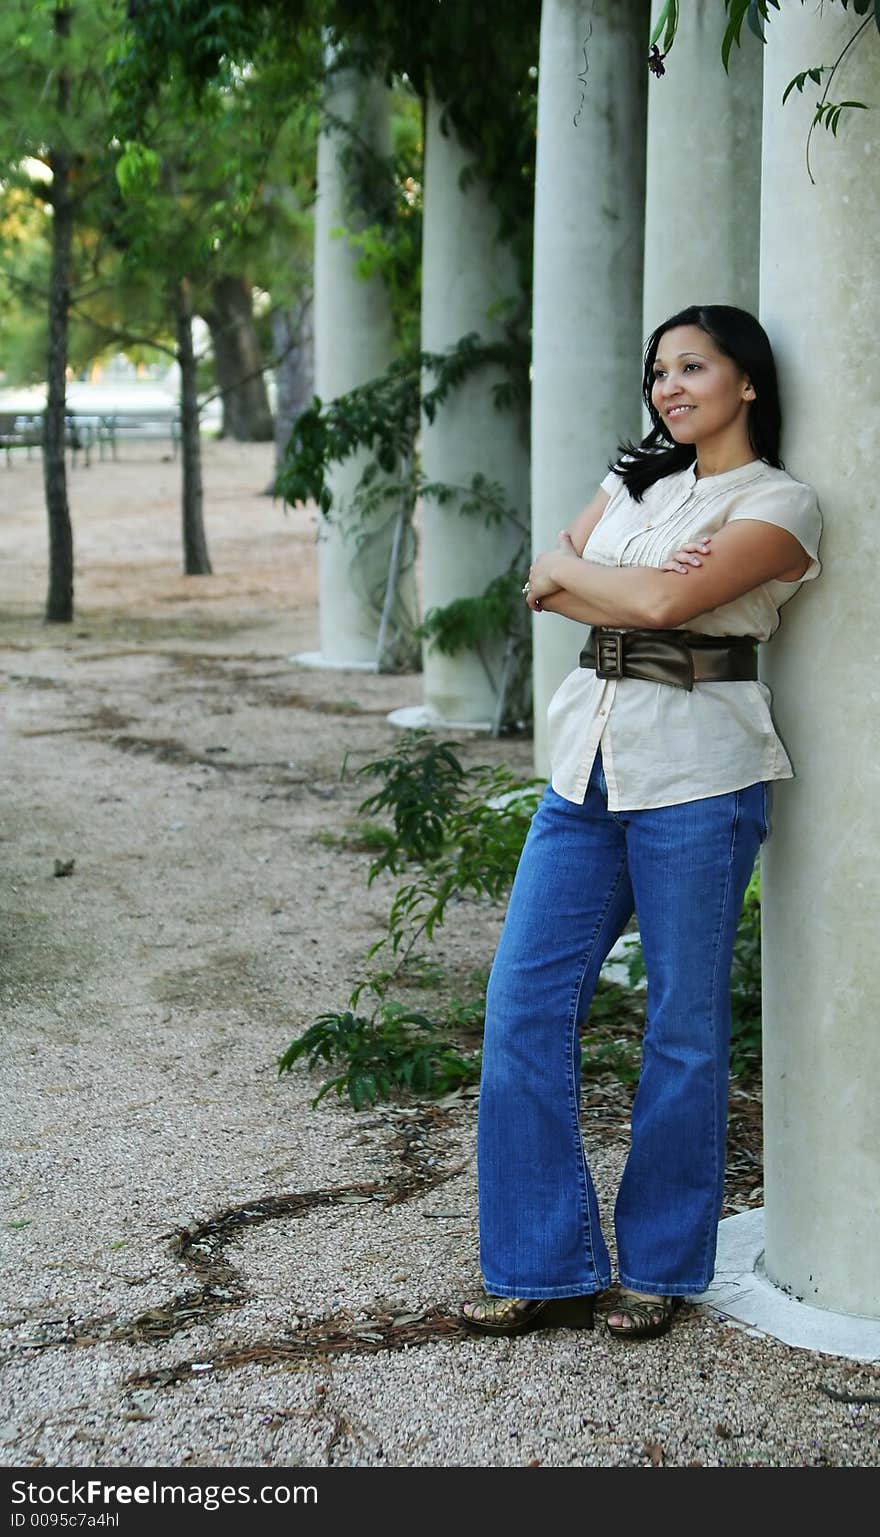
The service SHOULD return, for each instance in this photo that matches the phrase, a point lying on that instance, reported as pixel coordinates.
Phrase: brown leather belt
(680, 658)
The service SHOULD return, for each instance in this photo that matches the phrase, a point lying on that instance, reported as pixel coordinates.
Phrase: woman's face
(698, 391)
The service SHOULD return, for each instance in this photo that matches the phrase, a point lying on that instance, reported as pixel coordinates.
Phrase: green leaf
(668, 21)
(137, 170)
(755, 21)
(797, 83)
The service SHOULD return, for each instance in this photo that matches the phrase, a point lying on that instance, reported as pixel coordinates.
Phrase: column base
(413, 717)
(318, 659)
(742, 1291)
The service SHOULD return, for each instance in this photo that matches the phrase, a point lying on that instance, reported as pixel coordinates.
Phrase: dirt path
(198, 1267)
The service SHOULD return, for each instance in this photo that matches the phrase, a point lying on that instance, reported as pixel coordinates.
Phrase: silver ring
(525, 590)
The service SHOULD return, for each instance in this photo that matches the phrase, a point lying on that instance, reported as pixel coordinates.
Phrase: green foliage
(470, 842)
(755, 12)
(137, 169)
(384, 227)
(365, 838)
(160, 187)
(384, 414)
(612, 1034)
(667, 24)
(460, 832)
(828, 113)
(381, 415)
(385, 1053)
(422, 785)
(468, 623)
(480, 58)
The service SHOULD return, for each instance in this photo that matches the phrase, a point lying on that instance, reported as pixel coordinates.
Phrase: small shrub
(389, 1052)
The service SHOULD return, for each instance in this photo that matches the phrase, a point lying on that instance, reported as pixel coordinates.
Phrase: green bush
(390, 1051)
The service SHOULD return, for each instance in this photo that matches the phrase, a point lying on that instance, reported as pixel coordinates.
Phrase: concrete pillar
(703, 195)
(587, 323)
(821, 874)
(353, 343)
(469, 278)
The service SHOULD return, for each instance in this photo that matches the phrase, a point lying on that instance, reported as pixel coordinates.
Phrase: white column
(820, 300)
(469, 278)
(587, 336)
(353, 343)
(703, 197)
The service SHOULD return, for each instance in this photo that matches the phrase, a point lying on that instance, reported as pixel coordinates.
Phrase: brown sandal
(518, 1315)
(648, 1316)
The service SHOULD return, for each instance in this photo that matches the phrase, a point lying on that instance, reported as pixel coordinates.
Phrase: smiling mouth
(675, 411)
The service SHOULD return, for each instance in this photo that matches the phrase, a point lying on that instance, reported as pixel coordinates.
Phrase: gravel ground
(199, 1269)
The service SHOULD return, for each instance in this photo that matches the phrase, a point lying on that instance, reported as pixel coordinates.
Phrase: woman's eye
(691, 365)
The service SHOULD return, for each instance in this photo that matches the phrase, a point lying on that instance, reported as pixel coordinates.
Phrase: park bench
(19, 430)
(154, 421)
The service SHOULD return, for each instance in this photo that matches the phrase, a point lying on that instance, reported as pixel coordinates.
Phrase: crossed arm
(745, 555)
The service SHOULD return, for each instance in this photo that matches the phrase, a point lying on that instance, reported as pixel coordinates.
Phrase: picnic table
(151, 421)
(85, 430)
(25, 430)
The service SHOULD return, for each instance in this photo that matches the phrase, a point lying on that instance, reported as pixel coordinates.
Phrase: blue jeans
(583, 872)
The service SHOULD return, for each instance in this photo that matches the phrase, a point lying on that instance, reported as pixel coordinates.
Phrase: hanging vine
(756, 14)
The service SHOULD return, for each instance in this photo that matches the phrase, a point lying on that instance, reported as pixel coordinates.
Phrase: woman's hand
(543, 577)
(689, 555)
(541, 584)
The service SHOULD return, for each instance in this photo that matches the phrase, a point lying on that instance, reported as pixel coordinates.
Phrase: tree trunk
(294, 341)
(239, 363)
(196, 561)
(59, 602)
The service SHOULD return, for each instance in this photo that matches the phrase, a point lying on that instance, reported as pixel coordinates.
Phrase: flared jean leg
(540, 1234)
(689, 866)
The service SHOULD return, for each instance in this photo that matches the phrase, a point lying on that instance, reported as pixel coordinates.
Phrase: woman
(662, 746)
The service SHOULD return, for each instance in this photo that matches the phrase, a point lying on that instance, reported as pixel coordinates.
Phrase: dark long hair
(739, 336)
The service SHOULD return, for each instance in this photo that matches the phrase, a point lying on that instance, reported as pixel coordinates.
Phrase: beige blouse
(662, 745)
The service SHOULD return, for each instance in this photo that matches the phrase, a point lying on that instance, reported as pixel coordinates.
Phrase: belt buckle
(609, 653)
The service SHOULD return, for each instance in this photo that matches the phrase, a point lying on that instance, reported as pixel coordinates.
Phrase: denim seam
(573, 1049)
(711, 1230)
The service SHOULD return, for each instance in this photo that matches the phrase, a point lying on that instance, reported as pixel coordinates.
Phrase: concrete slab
(318, 659)
(743, 1292)
(413, 717)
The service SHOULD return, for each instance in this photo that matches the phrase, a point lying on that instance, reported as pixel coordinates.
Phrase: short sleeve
(790, 505)
(611, 483)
